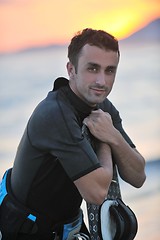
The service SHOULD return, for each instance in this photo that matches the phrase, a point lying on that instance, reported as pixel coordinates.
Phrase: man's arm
(94, 186)
(129, 161)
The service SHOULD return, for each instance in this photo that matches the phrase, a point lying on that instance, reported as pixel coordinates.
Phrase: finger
(85, 121)
(97, 111)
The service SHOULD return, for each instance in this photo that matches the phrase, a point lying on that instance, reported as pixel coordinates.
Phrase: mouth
(98, 90)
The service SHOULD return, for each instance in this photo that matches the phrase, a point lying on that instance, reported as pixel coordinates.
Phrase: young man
(55, 165)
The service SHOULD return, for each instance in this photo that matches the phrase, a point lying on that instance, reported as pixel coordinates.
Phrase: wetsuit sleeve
(54, 128)
(117, 121)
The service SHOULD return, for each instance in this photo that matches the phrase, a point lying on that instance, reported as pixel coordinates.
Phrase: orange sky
(27, 23)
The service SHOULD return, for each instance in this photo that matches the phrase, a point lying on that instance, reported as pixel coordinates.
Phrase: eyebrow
(111, 67)
(93, 64)
(96, 65)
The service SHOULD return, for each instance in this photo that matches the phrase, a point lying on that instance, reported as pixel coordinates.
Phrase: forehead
(98, 55)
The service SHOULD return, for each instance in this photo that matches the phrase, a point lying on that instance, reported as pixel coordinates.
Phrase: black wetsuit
(53, 153)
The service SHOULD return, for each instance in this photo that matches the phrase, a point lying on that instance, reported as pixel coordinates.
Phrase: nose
(101, 79)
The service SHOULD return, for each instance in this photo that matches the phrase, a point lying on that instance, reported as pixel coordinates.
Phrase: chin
(94, 100)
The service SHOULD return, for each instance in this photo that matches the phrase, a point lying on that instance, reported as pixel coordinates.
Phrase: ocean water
(25, 79)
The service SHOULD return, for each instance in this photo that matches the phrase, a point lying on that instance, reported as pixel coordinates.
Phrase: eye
(111, 70)
(92, 69)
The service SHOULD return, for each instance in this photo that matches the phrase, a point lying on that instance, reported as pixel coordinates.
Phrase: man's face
(95, 74)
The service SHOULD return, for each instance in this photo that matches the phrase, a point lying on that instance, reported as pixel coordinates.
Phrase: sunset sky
(29, 23)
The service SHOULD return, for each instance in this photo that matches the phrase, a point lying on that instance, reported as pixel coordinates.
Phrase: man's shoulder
(53, 108)
(48, 104)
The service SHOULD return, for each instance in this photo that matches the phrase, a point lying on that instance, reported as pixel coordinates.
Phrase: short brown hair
(92, 37)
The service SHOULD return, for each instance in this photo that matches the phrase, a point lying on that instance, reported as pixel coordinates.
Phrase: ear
(70, 70)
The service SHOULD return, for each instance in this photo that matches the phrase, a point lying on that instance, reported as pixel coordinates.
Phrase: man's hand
(100, 125)
(130, 162)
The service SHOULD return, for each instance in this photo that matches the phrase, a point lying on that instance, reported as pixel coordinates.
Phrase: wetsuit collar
(83, 108)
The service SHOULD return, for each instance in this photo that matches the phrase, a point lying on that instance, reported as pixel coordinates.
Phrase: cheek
(111, 81)
(82, 85)
(81, 80)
